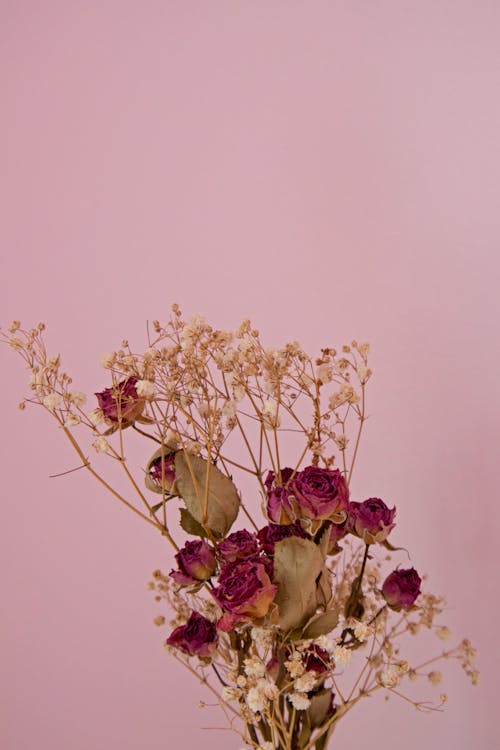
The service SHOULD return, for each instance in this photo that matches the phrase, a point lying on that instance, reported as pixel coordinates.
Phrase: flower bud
(196, 562)
(401, 588)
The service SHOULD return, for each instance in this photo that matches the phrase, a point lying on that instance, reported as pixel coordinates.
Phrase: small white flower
(295, 668)
(443, 632)
(230, 693)
(100, 445)
(306, 683)
(96, 416)
(361, 631)
(52, 401)
(389, 677)
(108, 359)
(300, 701)
(268, 688)
(254, 667)
(78, 398)
(324, 372)
(270, 417)
(325, 643)
(341, 656)
(145, 389)
(262, 637)
(71, 420)
(256, 700)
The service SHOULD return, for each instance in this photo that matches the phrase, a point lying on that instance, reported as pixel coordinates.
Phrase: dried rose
(280, 508)
(401, 588)
(245, 592)
(196, 562)
(161, 473)
(269, 535)
(198, 637)
(317, 659)
(320, 493)
(240, 545)
(121, 403)
(371, 520)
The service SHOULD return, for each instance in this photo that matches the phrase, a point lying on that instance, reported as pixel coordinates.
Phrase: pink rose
(245, 592)
(371, 520)
(401, 588)
(121, 404)
(320, 494)
(198, 637)
(240, 545)
(196, 562)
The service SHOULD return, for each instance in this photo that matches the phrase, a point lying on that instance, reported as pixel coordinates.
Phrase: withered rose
(198, 637)
(401, 588)
(121, 404)
(240, 545)
(371, 520)
(320, 493)
(196, 562)
(280, 508)
(245, 592)
(273, 532)
(163, 472)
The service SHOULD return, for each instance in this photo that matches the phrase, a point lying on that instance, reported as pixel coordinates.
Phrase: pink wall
(331, 170)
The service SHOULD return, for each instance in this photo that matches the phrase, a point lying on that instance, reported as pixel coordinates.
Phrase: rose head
(121, 403)
(162, 472)
(320, 493)
(196, 562)
(198, 637)
(269, 535)
(371, 520)
(240, 545)
(245, 592)
(401, 588)
(280, 508)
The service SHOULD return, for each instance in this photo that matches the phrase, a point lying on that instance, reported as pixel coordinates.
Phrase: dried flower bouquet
(294, 619)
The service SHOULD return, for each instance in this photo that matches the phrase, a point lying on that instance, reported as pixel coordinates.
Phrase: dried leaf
(297, 565)
(190, 524)
(214, 506)
(320, 707)
(321, 624)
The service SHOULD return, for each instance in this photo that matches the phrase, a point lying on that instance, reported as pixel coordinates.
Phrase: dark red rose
(269, 535)
(240, 545)
(320, 493)
(245, 592)
(317, 659)
(198, 637)
(401, 588)
(121, 404)
(371, 520)
(196, 562)
(337, 532)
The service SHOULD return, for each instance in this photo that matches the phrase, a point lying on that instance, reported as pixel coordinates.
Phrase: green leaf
(297, 565)
(191, 525)
(210, 496)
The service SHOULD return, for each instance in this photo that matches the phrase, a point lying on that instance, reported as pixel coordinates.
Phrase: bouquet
(284, 600)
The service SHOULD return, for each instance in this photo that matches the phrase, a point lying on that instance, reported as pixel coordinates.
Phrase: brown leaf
(321, 624)
(297, 565)
(211, 497)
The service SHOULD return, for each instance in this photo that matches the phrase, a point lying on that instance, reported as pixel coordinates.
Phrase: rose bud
(196, 562)
(401, 588)
(198, 637)
(269, 535)
(245, 592)
(160, 475)
(371, 520)
(337, 532)
(121, 403)
(321, 493)
(317, 659)
(279, 498)
(240, 545)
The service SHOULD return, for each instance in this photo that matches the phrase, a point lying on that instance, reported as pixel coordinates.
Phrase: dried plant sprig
(288, 624)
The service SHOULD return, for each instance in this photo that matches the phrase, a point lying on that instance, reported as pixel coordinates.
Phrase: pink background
(331, 170)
